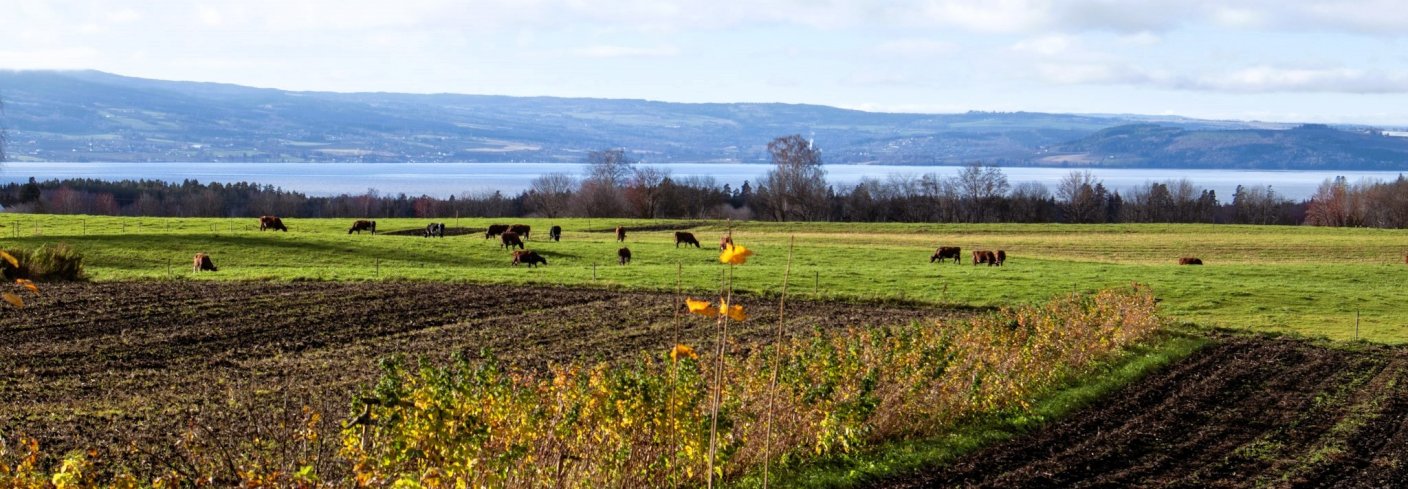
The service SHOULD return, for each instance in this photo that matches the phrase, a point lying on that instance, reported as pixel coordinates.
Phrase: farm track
(116, 365)
(1245, 412)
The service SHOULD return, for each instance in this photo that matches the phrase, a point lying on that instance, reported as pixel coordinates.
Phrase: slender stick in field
(719, 377)
(776, 360)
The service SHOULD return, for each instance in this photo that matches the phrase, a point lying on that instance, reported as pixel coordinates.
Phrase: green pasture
(1304, 280)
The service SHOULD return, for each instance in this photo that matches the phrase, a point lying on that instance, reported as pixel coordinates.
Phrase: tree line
(795, 189)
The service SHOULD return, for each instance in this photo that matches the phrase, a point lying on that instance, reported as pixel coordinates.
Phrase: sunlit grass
(1275, 278)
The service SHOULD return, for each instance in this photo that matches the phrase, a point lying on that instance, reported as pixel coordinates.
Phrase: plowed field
(128, 367)
(1241, 413)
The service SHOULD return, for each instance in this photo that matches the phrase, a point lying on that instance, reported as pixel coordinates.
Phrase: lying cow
(620, 234)
(436, 229)
(202, 263)
(495, 230)
(272, 222)
(509, 240)
(999, 259)
(946, 252)
(528, 256)
(521, 230)
(1188, 260)
(686, 238)
(555, 233)
(360, 226)
(624, 254)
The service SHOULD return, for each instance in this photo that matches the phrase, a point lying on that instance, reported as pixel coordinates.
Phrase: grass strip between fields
(900, 457)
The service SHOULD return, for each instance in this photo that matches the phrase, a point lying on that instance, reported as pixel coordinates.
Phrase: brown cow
(946, 252)
(272, 222)
(1000, 258)
(495, 230)
(726, 242)
(620, 234)
(981, 256)
(686, 238)
(521, 230)
(360, 226)
(528, 256)
(509, 240)
(1188, 260)
(624, 254)
(202, 262)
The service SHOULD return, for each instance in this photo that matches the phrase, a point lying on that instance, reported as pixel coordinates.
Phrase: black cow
(528, 256)
(495, 230)
(686, 238)
(272, 222)
(509, 240)
(521, 230)
(946, 252)
(360, 226)
(624, 254)
(555, 233)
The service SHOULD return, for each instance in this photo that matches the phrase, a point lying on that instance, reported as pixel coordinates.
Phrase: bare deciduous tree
(795, 189)
(1079, 199)
(646, 189)
(550, 193)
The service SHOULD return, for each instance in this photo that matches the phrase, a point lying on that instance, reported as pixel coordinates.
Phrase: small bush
(46, 263)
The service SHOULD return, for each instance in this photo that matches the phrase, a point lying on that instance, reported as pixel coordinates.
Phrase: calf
(360, 226)
(555, 233)
(272, 222)
(528, 256)
(1000, 258)
(686, 238)
(946, 252)
(726, 242)
(495, 230)
(521, 230)
(1188, 260)
(509, 240)
(620, 234)
(202, 262)
(436, 229)
(624, 254)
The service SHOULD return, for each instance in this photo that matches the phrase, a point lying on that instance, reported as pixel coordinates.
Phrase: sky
(1327, 61)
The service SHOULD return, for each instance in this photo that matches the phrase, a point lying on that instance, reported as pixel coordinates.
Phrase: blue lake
(446, 179)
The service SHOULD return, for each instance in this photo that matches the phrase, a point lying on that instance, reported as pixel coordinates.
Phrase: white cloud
(1046, 45)
(614, 51)
(916, 48)
(1260, 79)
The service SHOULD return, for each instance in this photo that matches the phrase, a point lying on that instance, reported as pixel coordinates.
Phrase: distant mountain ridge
(95, 116)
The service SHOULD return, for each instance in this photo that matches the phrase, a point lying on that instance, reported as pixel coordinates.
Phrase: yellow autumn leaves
(735, 255)
(10, 297)
(707, 309)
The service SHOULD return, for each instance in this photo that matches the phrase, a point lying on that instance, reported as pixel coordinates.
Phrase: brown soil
(1245, 412)
(127, 368)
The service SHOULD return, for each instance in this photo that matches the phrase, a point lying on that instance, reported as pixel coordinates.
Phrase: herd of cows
(514, 235)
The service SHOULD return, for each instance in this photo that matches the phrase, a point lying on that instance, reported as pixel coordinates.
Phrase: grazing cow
(1001, 257)
(202, 262)
(620, 234)
(555, 233)
(1188, 260)
(528, 256)
(495, 230)
(980, 256)
(272, 222)
(521, 230)
(686, 238)
(726, 242)
(436, 229)
(946, 252)
(360, 226)
(624, 254)
(510, 239)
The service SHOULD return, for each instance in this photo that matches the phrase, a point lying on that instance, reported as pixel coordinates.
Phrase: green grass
(904, 456)
(1303, 280)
